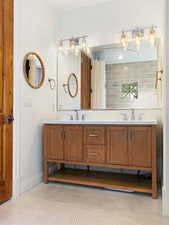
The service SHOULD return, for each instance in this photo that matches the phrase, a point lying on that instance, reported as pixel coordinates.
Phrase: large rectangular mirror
(110, 78)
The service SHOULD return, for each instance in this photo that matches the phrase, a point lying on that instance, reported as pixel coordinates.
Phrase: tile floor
(60, 204)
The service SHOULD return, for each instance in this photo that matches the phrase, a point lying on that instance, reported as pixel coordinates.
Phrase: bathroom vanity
(121, 145)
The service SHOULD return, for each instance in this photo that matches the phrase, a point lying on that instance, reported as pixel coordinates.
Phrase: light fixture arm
(75, 38)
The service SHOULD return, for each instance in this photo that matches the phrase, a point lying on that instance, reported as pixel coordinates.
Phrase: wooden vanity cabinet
(94, 144)
(95, 154)
(117, 145)
(54, 142)
(114, 146)
(63, 143)
(73, 143)
(140, 146)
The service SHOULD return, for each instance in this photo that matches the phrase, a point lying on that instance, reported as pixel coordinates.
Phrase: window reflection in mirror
(129, 90)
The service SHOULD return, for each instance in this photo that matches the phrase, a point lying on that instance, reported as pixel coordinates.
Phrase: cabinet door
(73, 144)
(140, 146)
(53, 142)
(117, 145)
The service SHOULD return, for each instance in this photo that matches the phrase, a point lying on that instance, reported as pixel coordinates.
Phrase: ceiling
(65, 5)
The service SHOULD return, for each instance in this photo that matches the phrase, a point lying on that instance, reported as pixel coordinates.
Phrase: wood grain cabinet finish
(114, 146)
(117, 145)
(140, 146)
(53, 142)
(95, 153)
(94, 135)
(73, 143)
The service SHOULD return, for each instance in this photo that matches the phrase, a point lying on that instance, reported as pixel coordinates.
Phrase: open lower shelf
(103, 179)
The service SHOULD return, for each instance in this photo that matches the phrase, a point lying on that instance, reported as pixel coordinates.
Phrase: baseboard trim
(165, 200)
(29, 183)
(16, 188)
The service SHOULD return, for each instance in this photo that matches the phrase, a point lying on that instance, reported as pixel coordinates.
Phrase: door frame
(7, 13)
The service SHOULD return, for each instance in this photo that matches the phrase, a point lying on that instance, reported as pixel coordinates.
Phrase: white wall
(104, 22)
(166, 124)
(73, 63)
(34, 30)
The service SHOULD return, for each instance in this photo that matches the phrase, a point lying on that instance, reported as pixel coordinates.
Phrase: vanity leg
(45, 179)
(154, 184)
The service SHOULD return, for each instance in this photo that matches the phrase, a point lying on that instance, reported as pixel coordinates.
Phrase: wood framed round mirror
(34, 70)
(72, 85)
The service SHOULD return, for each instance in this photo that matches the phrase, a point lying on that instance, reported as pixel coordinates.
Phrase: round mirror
(34, 70)
(72, 85)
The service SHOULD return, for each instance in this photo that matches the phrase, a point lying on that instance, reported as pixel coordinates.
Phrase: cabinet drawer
(95, 153)
(94, 135)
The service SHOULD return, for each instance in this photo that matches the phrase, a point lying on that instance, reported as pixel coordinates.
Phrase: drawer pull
(93, 135)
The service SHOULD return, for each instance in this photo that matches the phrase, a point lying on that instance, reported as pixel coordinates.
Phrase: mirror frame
(77, 86)
(43, 70)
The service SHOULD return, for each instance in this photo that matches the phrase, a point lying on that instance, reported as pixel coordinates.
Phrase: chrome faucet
(76, 115)
(133, 117)
(84, 116)
(70, 117)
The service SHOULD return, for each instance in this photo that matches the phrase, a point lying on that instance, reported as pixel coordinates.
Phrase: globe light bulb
(124, 40)
(152, 36)
(138, 39)
(84, 44)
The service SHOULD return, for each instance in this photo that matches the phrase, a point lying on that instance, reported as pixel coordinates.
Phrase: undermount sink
(133, 122)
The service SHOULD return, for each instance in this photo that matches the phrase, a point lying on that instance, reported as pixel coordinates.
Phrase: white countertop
(100, 122)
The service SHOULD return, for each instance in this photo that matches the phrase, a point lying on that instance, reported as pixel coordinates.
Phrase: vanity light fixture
(152, 35)
(75, 45)
(124, 40)
(137, 35)
(60, 45)
(83, 44)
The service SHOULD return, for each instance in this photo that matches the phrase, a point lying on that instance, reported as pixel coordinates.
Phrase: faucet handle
(125, 117)
(70, 116)
(84, 116)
